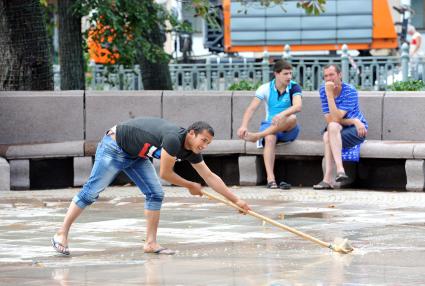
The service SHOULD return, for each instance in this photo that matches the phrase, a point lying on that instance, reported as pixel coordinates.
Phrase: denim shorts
(349, 136)
(110, 160)
(286, 136)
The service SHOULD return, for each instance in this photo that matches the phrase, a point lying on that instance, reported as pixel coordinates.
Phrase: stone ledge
(389, 149)
(45, 150)
(369, 149)
(419, 151)
(4, 175)
(225, 147)
(217, 147)
(296, 148)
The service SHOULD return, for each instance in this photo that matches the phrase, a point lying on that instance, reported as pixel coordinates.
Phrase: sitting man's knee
(334, 127)
(270, 139)
(292, 118)
(291, 121)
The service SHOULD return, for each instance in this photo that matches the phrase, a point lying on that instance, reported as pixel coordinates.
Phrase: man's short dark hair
(281, 65)
(200, 126)
(336, 67)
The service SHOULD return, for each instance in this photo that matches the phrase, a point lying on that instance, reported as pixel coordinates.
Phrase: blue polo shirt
(275, 102)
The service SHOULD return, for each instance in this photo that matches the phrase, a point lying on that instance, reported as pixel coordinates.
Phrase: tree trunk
(155, 76)
(25, 60)
(70, 47)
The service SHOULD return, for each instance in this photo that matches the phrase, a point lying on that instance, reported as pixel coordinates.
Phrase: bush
(244, 85)
(409, 85)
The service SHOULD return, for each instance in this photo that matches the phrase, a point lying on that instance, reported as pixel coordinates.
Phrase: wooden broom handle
(269, 220)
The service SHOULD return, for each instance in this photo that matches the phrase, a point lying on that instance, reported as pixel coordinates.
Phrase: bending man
(127, 147)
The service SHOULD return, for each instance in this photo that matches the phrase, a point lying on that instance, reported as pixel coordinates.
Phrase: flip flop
(57, 246)
(284, 185)
(162, 250)
(341, 177)
(322, 186)
(272, 185)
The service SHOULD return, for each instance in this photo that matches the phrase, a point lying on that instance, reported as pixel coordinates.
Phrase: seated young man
(282, 98)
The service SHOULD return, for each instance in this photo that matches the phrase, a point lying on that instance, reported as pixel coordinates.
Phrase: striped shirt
(348, 101)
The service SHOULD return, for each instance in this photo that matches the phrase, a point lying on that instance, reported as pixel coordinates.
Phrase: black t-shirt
(146, 136)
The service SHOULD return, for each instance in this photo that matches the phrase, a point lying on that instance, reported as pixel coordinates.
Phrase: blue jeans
(109, 161)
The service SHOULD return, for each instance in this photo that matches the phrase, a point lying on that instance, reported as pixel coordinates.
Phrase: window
(418, 19)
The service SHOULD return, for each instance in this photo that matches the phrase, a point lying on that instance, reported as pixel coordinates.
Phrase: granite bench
(50, 125)
(413, 152)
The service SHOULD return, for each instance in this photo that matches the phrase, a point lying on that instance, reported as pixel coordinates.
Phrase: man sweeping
(128, 147)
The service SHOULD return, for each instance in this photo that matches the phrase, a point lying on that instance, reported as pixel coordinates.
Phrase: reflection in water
(152, 272)
(61, 275)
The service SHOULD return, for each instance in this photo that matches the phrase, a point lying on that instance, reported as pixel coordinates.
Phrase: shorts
(285, 136)
(349, 137)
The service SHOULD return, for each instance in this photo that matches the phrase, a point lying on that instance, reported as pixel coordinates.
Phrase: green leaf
(244, 85)
(409, 85)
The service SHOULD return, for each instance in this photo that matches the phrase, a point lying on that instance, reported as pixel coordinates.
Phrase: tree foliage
(124, 27)
(409, 85)
(245, 85)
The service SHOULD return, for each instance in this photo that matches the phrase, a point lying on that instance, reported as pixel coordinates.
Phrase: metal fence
(366, 73)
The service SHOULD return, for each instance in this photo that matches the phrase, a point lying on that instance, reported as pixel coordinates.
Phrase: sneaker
(260, 144)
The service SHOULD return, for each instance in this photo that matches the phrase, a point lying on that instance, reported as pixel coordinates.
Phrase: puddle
(309, 215)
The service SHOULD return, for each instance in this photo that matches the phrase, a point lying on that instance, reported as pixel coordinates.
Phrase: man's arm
(247, 117)
(361, 128)
(217, 184)
(166, 172)
(335, 114)
(295, 108)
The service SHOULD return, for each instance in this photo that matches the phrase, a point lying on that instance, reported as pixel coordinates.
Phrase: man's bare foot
(60, 244)
(251, 137)
(59, 237)
(151, 247)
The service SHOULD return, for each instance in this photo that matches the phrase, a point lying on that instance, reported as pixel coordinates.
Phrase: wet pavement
(216, 245)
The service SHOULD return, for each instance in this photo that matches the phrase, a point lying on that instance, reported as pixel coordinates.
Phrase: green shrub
(244, 85)
(409, 85)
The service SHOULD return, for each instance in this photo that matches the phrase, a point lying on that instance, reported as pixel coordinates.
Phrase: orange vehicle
(252, 27)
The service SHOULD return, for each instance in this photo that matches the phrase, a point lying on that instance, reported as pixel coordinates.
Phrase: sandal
(341, 177)
(59, 247)
(322, 186)
(162, 250)
(272, 185)
(284, 185)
